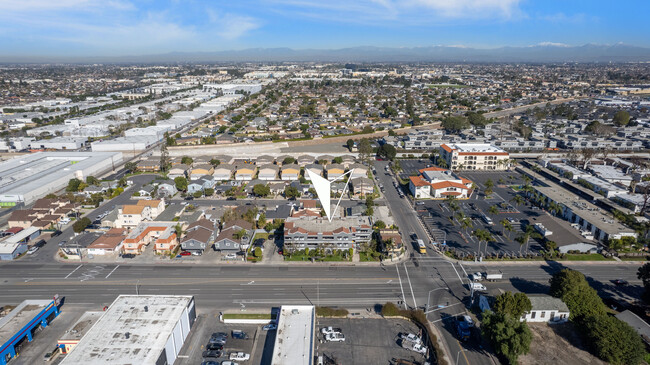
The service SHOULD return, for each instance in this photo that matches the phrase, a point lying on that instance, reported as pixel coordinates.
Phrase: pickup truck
(240, 356)
(410, 337)
(335, 337)
(329, 330)
(418, 347)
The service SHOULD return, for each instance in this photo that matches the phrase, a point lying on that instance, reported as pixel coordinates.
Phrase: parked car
(32, 250)
(410, 337)
(56, 233)
(240, 356)
(270, 327)
(218, 341)
(329, 330)
(240, 335)
(40, 243)
(212, 353)
(128, 256)
(214, 346)
(620, 282)
(220, 334)
(186, 253)
(335, 337)
(230, 256)
(229, 363)
(210, 362)
(62, 243)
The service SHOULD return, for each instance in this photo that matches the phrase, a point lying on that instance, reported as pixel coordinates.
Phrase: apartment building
(317, 232)
(474, 156)
(438, 183)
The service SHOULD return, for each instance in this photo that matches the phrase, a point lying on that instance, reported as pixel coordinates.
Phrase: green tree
(493, 209)
(476, 119)
(131, 166)
(81, 224)
(621, 118)
(261, 190)
(187, 160)
(208, 191)
(613, 340)
(387, 151)
(73, 185)
(454, 124)
(197, 194)
(338, 160)
(509, 337)
(258, 252)
(365, 150)
(291, 192)
(514, 305)
(574, 290)
(91, 180)
(239, 234)
(643, 273)
(288, 161)
(350, 144)
(181, 183)
(214, 162)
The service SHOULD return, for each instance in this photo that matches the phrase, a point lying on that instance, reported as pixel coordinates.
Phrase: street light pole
(458, 355)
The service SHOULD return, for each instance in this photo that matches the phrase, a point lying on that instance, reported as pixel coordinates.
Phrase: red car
(186, 253)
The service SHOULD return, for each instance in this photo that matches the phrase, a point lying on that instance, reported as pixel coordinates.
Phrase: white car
(335, 337)
(420, 348)
(229, 363)
(230, 256)
(329, 330)
(411, 338)
(32, 250)
(241, 356)
(477, 276)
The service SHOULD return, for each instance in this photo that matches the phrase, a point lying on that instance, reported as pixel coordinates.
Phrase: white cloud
(231, 26)
(405, 11)
(34, 6)
(553, 44)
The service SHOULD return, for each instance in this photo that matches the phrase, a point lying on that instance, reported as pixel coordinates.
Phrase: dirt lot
(558, 344)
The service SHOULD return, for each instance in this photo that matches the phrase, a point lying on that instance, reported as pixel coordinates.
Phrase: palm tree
(460, 216)
(521, 239)
(493, 210)
(466, 224)
(482, 235)
(517, 199)
(507, 226)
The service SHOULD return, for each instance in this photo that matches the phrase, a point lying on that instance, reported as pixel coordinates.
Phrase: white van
(477, 287)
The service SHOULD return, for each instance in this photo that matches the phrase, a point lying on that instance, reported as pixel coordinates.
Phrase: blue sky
(136, 27)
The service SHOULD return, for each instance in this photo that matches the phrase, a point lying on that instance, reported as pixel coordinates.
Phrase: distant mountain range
(544, 53)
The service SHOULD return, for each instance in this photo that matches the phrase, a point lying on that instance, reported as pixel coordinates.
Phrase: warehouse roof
(148, 329)
(294, 340)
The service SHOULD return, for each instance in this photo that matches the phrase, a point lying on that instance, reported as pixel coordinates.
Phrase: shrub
(331, 312)
(390, 310)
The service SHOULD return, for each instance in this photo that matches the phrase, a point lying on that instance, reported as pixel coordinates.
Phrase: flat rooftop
(586, 210)
(106, 342)
(81, 327)
(294, 340)
(475, 147)
(20, 317)
(321, 224)
(28, 173)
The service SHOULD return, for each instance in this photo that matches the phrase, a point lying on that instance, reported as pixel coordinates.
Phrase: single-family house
(268, 172)
(360, 186)
(334, 171)
(326, 158)
(22, 218)
(180, 170)
(108, 243)
(290, 172)
(279, 212)
(200, 184)
(200, 170)
(198, 236)
(277, 187)
(265, 160)
(223, 172)
(358, 170)
(245, 173)
(347, 160)
(546, 308)
(145, 191)
(314, 168)
(304, 160)
(234, 236)
(167, 189)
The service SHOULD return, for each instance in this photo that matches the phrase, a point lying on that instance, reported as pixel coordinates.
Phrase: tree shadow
(529, 287)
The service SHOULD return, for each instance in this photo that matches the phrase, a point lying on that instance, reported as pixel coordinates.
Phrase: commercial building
(9, 251)
(60, 143)
(26, 178)
(474, 156)
(295, 336)
(137, 329)
(437, 183)
(71, 338)
(318, 232)
(20, 324)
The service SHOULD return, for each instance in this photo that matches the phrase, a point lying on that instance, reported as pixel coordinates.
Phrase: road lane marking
(409, 279)
(109, 274)
(454, 267)
(72, 272)
(400, 282)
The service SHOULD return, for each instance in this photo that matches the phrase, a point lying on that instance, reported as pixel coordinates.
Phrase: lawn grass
(586, 257)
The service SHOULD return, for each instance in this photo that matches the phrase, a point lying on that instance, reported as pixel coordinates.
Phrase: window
(543, 315)
(532, 315)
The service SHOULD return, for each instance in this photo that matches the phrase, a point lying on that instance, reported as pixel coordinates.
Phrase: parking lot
(367, 341)
(444, 224)
(259, 344)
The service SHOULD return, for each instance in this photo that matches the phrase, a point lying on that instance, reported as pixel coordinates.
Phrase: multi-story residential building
(156, 206)
(318, 232)
(474, 156)
(423, 139)
(162, 234)
(438, 183)
(132, 215)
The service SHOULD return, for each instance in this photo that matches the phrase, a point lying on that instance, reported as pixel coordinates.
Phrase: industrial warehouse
(145, 329)
(26, 178)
